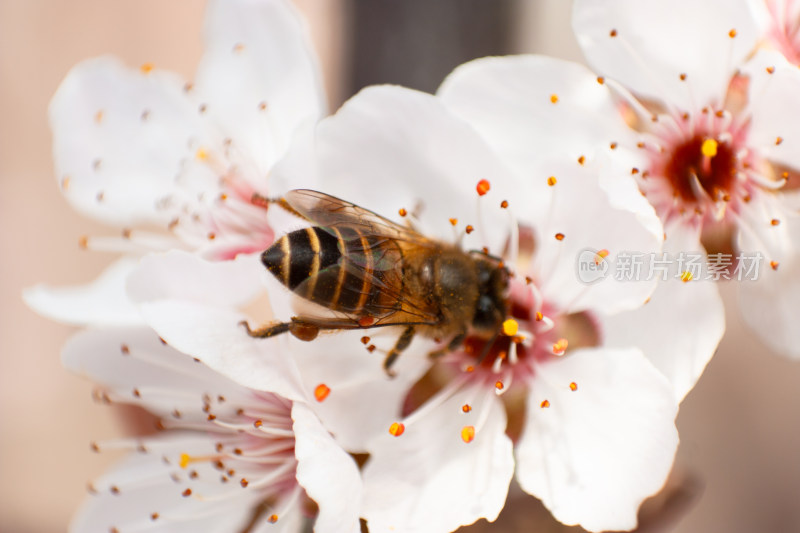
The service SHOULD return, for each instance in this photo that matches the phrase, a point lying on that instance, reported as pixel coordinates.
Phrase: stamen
(468, 433)
(510, 327)
(483, 187)
(321, 392)
(396, 429)
(545, 404)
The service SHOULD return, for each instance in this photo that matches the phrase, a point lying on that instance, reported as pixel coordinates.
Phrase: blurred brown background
(738, 469)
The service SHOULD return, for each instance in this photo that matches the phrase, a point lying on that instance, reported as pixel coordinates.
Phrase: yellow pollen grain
(402, 212)
(581, 160)
(146, 68)
(775, 222)
(573, 386)
(545, 404)
(504, 204)
(683, 77)
(686, 276)
(483, 187)
(774, 265)
(273, 518)
(469, 229)
(185, 460)
(552, 181)
(601, 80)
(559, 236)
(709, 147)
(778, 141)
(770, 70)
(453, 221)
(554, 98)
(468, 433)
(539, 316)
(466, 408)
(396, 429)
(510, 327)
(499, 385)
(732, 33)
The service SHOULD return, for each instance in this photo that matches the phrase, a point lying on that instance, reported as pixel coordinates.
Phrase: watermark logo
(592, 265)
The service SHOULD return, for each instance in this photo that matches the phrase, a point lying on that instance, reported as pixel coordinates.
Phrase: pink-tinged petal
(351, 391)
(774, 106)
(102, 302)
(180, 275)
(140, 369)
(213, 335)
(582, 220)
(141, 492)
(770, 304)
(534, 108)
(438, 474)
(648, 44)
(681, 325)
(329, 475)
(389, 148)
(119, 138)
(593, 454)
(258, 78)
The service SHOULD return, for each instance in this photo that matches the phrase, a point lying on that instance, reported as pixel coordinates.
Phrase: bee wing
(326, 211)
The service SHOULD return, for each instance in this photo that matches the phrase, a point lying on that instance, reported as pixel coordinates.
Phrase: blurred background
(738, 467)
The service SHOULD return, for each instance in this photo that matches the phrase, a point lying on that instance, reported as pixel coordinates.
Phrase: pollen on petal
(770, 70)
(466, 408)
(402, 212)
(321, 392)
(545, 404)
(601, 80)
(186, 493)
(775, 222)
(185, 460)
(539, 316)
(468, 433)
(453, 221)
(499, 385)
(709, 147)
(573, 386)
(469, 229)
(732, 33)
(552, 181)
(365, 339)
(612, 33)
(581, 160)
(559, 236)
(504, 204)
(243, 482)
(272, 518)
(483, 187)
(554, 98)
(510, 327)
(774, 265)
(396, 429)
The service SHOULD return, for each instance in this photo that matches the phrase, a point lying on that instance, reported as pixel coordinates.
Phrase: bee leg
(270, 330)
(401, 344)
(454, 343)
(281, 202)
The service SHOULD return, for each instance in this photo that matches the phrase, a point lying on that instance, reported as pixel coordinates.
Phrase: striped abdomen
(339, 268)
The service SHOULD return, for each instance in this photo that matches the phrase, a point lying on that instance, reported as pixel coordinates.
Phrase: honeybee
(371, 272)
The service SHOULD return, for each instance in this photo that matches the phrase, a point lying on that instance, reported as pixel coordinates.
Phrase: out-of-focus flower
(226, 458)
(592, 425)
(782, 27)
(179, 164)
(705, 129)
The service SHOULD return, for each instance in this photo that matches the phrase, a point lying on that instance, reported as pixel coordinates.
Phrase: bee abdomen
(301, 254)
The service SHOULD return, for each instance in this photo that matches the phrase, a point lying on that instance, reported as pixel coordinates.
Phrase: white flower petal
(144, 485)
(328, 474)
(430, 480)
(213, 335)
(583, 219)
(774, 106)
(102, 302)
(258, 77)
(647, 44)
(531, 109)
(596, 452)
(680, 327)
(119, 137)
(771, 304)
(389, 148)
(361, 395)
(135, 359)
(183, 276)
